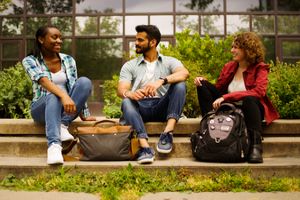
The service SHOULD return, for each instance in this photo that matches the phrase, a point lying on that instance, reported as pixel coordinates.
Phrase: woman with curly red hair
(242, 81)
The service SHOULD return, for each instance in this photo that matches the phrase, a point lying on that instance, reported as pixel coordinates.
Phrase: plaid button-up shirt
(36, 69)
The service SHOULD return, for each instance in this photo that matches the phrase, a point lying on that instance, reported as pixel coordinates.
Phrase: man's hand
(151, 88)
(136, 95)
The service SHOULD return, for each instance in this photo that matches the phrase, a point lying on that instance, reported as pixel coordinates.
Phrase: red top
(256, 82)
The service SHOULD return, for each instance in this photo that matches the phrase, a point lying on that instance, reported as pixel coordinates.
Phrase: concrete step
(37, 146)
(281, 127)
(277, 167)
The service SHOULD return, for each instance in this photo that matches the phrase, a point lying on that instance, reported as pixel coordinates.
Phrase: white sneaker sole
(163, 150)
(146, 161)
(55, 162)
(67, 138)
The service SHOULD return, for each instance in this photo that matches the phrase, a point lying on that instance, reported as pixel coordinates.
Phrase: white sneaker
(54, 155)
(64, 133)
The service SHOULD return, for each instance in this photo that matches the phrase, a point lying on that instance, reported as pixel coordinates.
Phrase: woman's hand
(68, 104)
(217, 102)
(198, 80)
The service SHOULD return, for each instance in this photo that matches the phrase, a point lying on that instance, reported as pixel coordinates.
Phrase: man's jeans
(49, 109)
(161, 109)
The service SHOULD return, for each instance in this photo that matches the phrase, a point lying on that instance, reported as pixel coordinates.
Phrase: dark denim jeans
(49, 109)
(135, 113)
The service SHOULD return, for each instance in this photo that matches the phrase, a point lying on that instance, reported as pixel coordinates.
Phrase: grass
(131, 183)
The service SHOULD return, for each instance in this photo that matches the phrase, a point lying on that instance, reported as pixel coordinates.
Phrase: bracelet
(124, 94)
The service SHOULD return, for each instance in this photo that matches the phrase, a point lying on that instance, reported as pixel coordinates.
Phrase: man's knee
(127, 105)
(179, 87)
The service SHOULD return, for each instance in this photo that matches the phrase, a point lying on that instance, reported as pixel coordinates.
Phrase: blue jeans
(49, 110)
(161, 109)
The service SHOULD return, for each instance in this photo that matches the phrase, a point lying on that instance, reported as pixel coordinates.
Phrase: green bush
(15, 93)
(112, 103)
(283, 89)
(202, 56)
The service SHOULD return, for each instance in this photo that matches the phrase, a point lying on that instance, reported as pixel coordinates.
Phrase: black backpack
(222, 136)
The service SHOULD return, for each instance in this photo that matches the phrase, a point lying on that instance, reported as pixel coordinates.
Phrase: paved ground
(223, 196)
(20, 195)
(12, 195)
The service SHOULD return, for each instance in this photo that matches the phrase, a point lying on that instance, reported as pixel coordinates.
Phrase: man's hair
(151, 30)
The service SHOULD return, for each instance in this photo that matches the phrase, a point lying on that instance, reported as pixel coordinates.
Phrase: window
(145, 6)
(290, 51)
(86, 26)
(212, 24)
(49, 7)
(202, 6)
(132, 21)
(33, 23)
(190, 22)
(237, 23)
(12, 26)
(288, 5)
(292, 27)
(164, 23)
(111, 25)
(11, 53)
(96, 6)
(64, 24)
(100, 59)
(263, 24)
(16, 7)
(249, 5)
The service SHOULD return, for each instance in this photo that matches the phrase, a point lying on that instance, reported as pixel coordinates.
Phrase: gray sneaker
(165, 143)
(145, 155)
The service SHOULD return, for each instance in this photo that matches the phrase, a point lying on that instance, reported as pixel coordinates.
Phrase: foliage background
(202, 56)
(283, 89)
(15, 93)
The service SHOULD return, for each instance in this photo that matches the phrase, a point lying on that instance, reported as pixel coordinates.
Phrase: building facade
(100, 33)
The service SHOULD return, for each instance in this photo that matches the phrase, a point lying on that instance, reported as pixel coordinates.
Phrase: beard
(139, 49)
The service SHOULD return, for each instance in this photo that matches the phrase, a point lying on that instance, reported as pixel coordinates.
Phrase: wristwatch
(165, 80)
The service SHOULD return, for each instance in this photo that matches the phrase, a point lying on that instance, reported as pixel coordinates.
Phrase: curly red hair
(251, 43)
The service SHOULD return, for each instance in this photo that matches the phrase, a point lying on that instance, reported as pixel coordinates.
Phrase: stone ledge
(184, 126)
(275, 167)
(36, 146)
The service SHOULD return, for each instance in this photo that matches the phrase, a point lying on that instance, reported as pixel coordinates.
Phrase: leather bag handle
(105, 121)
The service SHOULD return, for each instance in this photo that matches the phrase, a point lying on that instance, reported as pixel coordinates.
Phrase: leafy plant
(131, 183)
(202, 56)
(283, 89)
(112, 103)
(15, 93)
